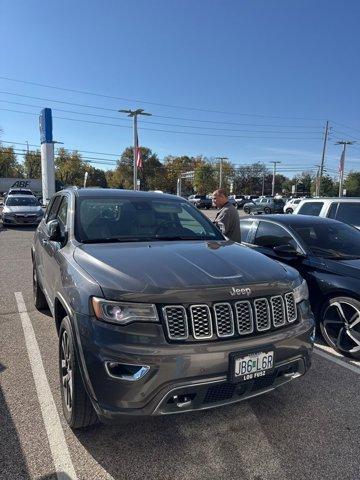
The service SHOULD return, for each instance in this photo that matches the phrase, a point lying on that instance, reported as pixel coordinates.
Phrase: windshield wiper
(117, 240)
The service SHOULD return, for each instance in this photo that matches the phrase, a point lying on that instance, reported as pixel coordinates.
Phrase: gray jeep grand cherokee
(157, 312)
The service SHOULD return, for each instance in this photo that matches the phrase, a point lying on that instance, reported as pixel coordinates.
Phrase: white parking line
(59, 450)
(336, 360)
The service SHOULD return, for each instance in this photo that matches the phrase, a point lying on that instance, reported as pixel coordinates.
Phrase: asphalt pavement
(307, 429)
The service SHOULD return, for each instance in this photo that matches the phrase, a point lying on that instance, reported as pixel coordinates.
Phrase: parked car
(346, 210)
(200, 201)
(157, 312)
(19, 191)
(327, 254)
(21, 210)
(240, 201)
(232, 200)
(291, 204)
(265, 205)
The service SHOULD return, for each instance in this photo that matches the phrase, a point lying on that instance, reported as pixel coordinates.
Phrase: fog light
(127, 372)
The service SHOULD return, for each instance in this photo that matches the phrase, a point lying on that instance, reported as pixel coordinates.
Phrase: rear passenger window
(311, 208)
(53, 209)
(345, 212)
(270, 235)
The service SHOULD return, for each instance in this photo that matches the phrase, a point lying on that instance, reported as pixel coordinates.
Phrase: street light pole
(344, 143)
(221, 159)
(273, 179)
(134, 114)
(321, 170)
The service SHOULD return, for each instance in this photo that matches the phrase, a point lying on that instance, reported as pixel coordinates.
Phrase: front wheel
(247, 210)
(340, 325)
(267, 210)
(289, 210)
(77, 406)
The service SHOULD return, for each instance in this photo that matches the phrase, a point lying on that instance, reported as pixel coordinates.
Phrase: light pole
(134, 114)
(273, 179)
(342, 163)
(221, 159)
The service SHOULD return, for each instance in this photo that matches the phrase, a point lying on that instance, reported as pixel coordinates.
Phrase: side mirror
(287, 251)
(53, 231)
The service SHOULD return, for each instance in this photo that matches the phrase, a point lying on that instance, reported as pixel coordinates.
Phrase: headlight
(124, 313)
(301, 292)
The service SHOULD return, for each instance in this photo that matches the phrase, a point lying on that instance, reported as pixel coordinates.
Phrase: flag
(139, 162)
(342, 161)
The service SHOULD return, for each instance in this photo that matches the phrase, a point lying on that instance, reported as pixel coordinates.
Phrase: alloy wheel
(341, 324)
(66, 370)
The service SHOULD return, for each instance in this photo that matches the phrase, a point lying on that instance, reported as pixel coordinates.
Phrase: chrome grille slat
(244, 317)
(262, 314)
(201, 321)
(291, 310)
(278, 311)
(231, 319)
(176, 322)
(224, 320)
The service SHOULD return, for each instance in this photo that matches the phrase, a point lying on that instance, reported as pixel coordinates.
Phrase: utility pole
(321, 171)
(134, 114)
(27, 147)
(344, 143)
(221, 159)
(273, 179)
(263, 185)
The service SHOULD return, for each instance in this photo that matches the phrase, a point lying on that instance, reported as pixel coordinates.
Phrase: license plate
(253, 365)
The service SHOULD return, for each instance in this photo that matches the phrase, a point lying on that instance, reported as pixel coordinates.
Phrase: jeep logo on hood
(240, 291)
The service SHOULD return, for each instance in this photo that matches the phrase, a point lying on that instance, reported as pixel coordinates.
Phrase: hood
(181, 269)
(22, 209)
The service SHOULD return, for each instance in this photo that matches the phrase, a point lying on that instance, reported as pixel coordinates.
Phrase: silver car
(22, 210)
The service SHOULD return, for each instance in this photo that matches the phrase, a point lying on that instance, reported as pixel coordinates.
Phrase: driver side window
(270, 235)
(188, 221)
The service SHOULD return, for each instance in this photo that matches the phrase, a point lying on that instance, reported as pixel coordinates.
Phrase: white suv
(345, 210)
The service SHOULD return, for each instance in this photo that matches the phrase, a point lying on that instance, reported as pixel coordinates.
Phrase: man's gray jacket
(227, 220)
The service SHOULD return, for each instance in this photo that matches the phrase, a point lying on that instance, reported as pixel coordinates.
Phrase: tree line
(163, 175)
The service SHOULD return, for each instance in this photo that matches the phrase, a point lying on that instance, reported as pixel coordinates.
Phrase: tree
(249, 179)
(174, 167)
(329, 188)
(205, 180)
(352, 184)
(69, 167)
(96, 177)
(32, 164)
(9, 166)
(228, 174)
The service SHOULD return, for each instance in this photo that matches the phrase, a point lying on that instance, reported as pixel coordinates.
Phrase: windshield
(22, 201)
(117, 219)
(336, 241)
(20, 192)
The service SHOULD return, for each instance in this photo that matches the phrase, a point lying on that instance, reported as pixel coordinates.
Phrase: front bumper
(21, 220)
(181, 377)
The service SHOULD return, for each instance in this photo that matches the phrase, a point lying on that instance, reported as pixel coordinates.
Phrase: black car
(157, 312)
(327, 254)
(200, 201)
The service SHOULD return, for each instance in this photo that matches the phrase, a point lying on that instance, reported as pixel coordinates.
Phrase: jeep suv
(157, 312)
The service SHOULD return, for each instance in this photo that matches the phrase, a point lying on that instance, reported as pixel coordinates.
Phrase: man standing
(227, 219)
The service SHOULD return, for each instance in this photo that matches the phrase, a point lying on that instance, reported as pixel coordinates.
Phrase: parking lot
(308, 429)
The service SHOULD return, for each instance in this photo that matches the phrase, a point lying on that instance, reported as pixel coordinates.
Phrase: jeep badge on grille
(240, 291)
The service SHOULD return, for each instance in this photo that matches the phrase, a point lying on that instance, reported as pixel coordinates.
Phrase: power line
(166, 131)
(164, 124)
(83, 92)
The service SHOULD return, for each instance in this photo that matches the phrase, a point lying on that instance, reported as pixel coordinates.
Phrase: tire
(267, 210)
(247, 210)
(40, 301)
(338, 317)
(289, 210)
(76, 404)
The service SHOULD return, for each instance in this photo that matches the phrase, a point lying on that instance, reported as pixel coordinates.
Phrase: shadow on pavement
(12, 460)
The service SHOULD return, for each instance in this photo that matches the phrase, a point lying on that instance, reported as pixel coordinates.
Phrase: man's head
(220, 197)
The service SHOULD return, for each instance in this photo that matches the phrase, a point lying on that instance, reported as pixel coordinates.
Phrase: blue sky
(276, 69)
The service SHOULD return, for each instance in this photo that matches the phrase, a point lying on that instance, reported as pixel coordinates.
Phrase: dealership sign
(33, 183)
